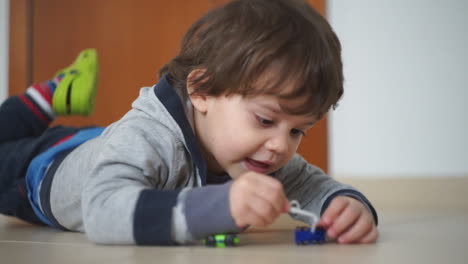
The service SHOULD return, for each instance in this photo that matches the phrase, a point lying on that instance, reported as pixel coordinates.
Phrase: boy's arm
(313, 189)
(131, 196)
(120, 207)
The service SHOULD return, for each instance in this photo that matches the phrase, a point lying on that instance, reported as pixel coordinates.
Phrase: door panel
(134, 38)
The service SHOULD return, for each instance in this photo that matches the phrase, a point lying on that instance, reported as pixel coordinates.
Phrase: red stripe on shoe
(34, 109)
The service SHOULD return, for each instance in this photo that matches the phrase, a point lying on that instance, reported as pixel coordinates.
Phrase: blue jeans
(23, 136)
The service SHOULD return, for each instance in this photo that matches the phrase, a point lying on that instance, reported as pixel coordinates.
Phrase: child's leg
(21, 117)
(25, 119)
(13, 193)
(15, 157)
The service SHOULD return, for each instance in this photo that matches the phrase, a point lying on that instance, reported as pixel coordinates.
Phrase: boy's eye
(264, 121)
(297, 132)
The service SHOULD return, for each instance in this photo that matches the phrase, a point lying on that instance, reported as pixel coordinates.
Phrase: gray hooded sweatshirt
(143, 180)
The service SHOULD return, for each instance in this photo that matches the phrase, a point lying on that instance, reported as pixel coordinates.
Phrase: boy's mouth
(257, 166)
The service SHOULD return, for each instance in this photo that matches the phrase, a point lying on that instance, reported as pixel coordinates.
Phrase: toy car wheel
(210, 241)
(229, 240)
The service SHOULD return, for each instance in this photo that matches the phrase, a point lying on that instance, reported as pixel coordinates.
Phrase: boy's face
(239, 134)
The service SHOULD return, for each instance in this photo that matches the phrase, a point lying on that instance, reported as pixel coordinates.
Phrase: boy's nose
(278, 144)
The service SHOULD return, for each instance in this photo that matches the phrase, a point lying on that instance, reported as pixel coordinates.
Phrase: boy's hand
(349, 221)
(256, 200)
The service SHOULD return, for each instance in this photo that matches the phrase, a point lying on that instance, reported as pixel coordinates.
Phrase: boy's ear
(199, 101)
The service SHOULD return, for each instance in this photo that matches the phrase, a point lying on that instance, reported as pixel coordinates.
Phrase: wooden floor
(421, 234)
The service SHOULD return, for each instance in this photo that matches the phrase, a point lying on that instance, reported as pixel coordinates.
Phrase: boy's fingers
(334, 210)
(248, 213)
(371, 237)
(272, 191)
(360, 229)
(322, 223)
(263, 208)
(250, 218)
(259, 200)
(286, 206)
(348, 217)
(276, 199)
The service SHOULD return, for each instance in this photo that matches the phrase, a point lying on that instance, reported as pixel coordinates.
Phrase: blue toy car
(305, 236)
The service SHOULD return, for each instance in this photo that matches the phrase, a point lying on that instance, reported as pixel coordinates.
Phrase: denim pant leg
(15, 157)
(23, 136)
(18, 121)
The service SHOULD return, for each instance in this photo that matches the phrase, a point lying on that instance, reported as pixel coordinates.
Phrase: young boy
(211, 148)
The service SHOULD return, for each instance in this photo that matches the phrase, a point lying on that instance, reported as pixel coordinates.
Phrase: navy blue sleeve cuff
(354, 194)
(153, 217)
(207, 211)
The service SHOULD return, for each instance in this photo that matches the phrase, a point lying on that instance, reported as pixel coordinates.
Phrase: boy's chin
(235, 173)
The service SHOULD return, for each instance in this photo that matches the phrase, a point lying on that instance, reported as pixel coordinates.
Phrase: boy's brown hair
(245, 40)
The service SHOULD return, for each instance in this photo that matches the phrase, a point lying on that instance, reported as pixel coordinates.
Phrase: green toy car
(221, 240)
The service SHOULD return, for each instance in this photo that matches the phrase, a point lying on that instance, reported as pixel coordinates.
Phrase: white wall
(404, 113)
(4, 22)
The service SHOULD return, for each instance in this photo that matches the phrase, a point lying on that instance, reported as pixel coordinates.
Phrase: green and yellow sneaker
(75, 94)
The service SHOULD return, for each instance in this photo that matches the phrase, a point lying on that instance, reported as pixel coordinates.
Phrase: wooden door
(134, 38)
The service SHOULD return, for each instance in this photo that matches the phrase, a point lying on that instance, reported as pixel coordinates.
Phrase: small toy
(304, 235)
(221, 240)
